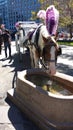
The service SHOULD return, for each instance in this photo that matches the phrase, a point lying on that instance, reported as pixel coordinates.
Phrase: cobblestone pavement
(10, 116)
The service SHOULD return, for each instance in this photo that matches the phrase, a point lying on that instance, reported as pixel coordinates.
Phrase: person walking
(7, 42)
(1, 41)
(20, 31)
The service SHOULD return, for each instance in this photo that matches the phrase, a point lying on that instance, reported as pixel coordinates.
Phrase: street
(11, 117)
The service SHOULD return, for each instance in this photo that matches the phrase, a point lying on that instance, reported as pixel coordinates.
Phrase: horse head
(49, 51)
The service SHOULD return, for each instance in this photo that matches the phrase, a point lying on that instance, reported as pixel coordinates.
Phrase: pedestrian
(20, 31)
(7, 42)
(2, 28)
(1, 41)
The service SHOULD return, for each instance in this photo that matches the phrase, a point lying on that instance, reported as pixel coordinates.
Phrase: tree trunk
(70, 29)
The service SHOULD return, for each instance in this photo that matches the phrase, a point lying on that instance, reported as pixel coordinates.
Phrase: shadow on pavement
(67, 56)
(18, 66)
(66, 69)
(18, 119)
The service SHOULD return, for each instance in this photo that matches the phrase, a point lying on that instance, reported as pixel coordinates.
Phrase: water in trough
(48, 85)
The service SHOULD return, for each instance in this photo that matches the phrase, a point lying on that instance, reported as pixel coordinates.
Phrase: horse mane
(44, 32)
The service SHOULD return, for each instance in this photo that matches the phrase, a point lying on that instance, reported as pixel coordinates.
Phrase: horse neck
(43, 33)
(41, 41)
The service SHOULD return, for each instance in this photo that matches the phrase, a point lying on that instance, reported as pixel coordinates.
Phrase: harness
(43, 64)
(23, 31)
(37, 36)
(46, 61)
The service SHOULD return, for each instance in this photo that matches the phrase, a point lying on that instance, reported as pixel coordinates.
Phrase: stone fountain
(44, 108)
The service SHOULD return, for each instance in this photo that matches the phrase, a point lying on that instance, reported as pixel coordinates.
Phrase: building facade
(3, 11)
(12, 11)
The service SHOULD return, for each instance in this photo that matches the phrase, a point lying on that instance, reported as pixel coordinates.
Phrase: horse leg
(34, 57)
(31, 56)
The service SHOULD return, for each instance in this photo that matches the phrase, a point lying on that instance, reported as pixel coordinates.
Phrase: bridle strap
(50, 60)
(42, 63)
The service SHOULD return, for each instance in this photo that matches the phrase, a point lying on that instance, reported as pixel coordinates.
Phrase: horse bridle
(41, 59)
(43, 64)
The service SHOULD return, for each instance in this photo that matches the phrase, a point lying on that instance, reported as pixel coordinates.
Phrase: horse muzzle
(51, 72)
(49, 66)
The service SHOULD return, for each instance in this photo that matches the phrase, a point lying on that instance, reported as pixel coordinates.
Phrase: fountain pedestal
(44, 108)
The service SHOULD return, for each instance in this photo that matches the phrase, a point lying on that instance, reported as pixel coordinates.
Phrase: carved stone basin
(44, 108)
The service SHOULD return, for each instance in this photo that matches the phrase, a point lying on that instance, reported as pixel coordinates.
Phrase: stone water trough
(44, 108)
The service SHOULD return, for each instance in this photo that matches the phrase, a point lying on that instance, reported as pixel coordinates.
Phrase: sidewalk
(65, 61)
(11, 118)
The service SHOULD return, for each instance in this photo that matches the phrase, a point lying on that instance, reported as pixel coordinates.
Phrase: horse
(43, 50)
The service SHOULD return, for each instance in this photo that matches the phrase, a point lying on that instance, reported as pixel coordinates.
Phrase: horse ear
(59, 51)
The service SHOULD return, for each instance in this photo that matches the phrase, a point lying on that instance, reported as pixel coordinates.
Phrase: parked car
(63, 36)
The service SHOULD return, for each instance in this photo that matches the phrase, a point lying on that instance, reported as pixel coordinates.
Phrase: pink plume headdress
(41, 14)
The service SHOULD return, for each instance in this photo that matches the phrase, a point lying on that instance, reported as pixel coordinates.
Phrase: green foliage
(33, 15)
(71, 4)
(69, 43)
(65, 8)
(41, 1)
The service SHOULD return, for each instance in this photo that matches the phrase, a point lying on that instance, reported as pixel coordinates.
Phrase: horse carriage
(21, 35)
